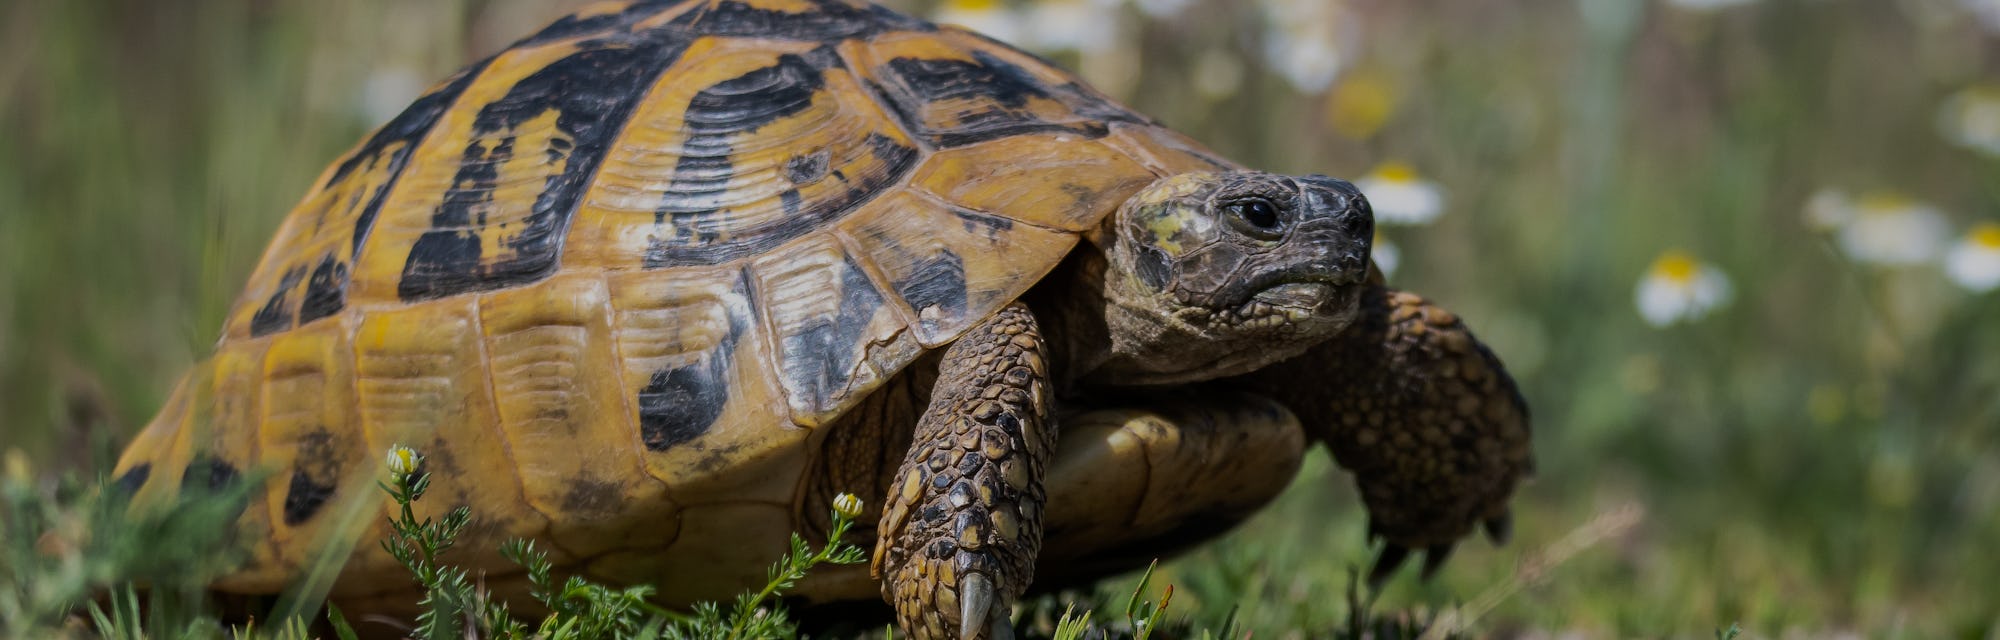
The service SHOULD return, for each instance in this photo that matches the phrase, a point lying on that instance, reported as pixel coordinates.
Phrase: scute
(421, 384)
(946, 263)
(1053, 180)
(487, 204)
(824, 312)
(308, 433)
(957, 88)
(325, 231)
(742, 146)
(623, 269)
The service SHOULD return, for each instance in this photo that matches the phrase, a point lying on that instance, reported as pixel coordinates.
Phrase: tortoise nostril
(1351, 262)
(1355, 217)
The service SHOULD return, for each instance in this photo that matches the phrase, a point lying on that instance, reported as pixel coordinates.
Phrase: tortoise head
(1219, 273)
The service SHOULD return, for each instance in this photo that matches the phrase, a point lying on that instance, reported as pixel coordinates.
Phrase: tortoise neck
(1069, 305)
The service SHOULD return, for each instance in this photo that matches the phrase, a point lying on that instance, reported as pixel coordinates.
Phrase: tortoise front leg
(1424, 416)
(963, 520)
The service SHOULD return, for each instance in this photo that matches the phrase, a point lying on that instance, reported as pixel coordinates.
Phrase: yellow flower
(1400, 196)
(403, 460)
(1361, 104)
(990, 17)
(1974, 263)
(1387, 256)
(20, 470)
(1677, 288)
(847, 505)
(1971, 117)
(1890, 229)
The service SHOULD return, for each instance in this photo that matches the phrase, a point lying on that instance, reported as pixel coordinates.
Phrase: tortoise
(655, 283)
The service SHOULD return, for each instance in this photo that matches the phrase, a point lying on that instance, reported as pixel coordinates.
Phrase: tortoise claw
(1500, 528)
(1434, 558)
(1392, 558)
(980, 609)
(978, 601)
(1001, 628)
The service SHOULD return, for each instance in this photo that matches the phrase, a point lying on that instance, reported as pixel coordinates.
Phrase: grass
(130, 591)
(1820, 456)
(65, 546)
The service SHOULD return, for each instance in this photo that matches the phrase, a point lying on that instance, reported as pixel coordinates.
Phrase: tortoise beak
(1339, 225)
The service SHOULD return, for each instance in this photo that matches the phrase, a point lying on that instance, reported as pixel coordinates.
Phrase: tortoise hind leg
(963, 520)
(1151, 478)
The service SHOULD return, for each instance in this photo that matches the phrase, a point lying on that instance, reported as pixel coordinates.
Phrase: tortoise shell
(611, 279)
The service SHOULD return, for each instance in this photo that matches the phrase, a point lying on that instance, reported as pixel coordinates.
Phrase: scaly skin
(1425, 417)
(963, 525)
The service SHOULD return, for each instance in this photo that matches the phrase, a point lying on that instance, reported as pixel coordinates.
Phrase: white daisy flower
(1890, 229)
(847, 505)
(386, 92)
(1971, 117)
(1309, 41)
(1828, 210)
(993, 18)
(1677, 288)
(1310, 61)
(403, 460)
(1974, 263)
(1707, 5)
(1400, 196)
(1387, 256)
(1088, 26)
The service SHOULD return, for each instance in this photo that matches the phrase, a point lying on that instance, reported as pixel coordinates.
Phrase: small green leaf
(341, 629)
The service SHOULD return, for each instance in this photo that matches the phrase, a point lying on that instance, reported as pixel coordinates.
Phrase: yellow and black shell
(609, 280)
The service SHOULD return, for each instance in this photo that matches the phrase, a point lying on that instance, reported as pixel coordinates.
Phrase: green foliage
(1142, 613)
(63, 540)
(748, 617)
(1071, 626)
(450, 603)
(163, 618)
(66, 542)
(580, 609)
(341, 629)
(1728, 634)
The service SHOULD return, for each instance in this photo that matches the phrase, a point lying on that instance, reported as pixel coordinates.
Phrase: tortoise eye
(1258, 215)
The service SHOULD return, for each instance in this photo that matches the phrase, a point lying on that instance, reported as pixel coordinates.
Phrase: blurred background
(1740, 254)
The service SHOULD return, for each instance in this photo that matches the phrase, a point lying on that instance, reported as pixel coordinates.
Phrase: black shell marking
(593, 92)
